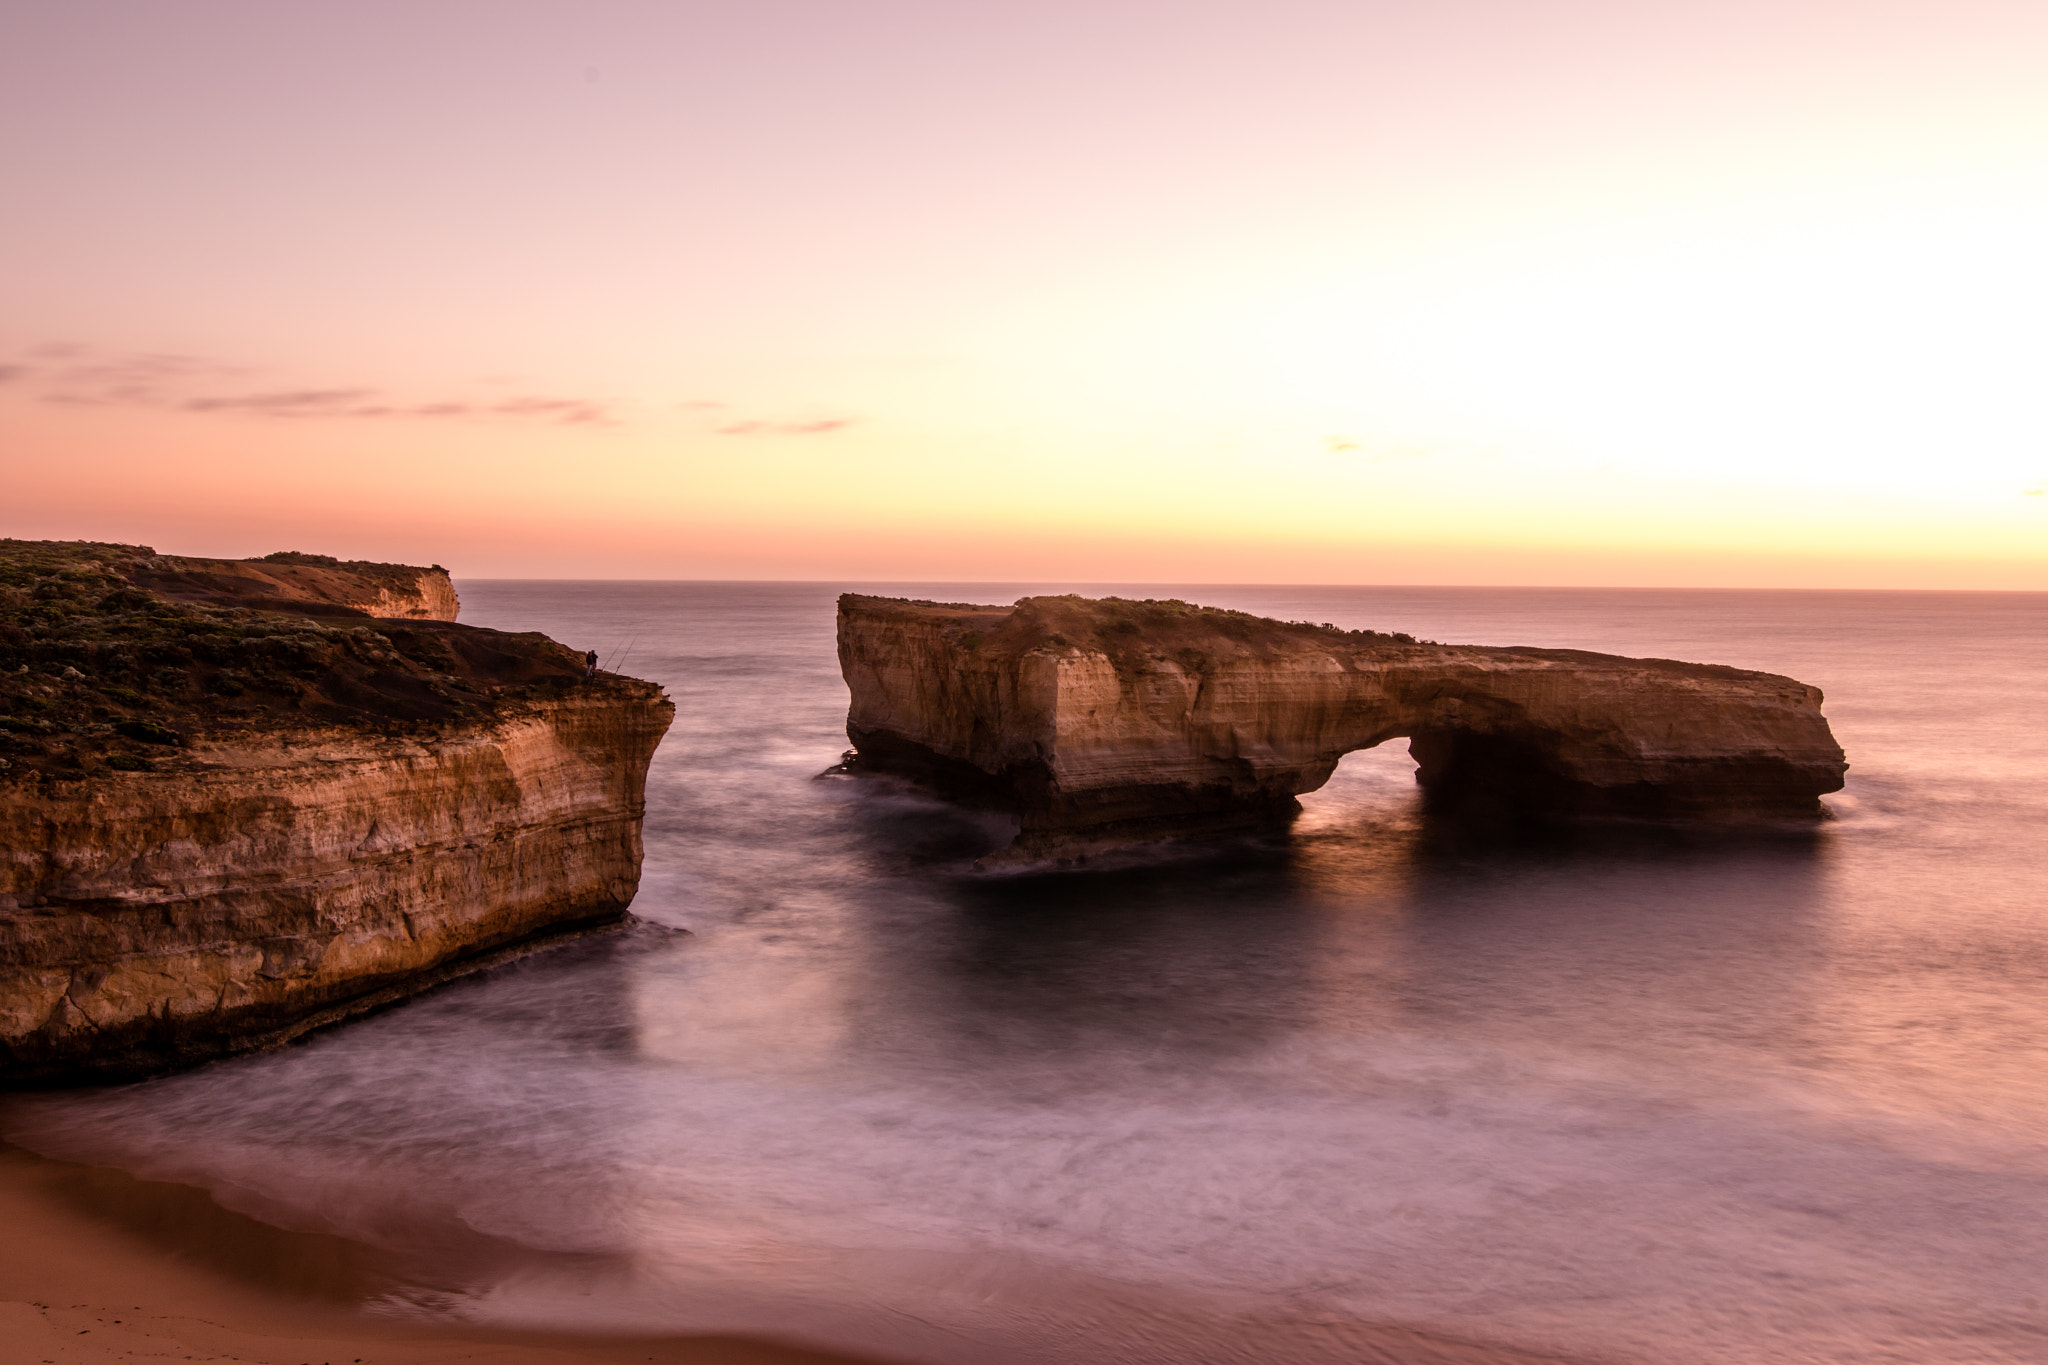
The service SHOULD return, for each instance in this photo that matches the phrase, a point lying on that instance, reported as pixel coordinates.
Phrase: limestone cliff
(222, 826)
(1104, 720)
(291, 579)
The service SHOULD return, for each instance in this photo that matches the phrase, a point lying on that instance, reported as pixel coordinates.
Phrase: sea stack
(1098, 722)
(241, 799)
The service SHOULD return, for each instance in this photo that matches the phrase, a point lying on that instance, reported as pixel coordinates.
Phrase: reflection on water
(1672, 1099)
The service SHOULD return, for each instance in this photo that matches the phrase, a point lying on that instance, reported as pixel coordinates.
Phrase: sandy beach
(97, 1267)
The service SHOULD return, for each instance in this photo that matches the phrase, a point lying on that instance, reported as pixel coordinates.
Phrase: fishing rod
(627, 655)
(619, 657)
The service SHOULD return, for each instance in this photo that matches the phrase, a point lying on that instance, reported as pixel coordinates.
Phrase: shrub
(129, 763)
(147, 731)
(127, 599)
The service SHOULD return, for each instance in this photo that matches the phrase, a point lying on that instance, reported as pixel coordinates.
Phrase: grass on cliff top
(1135, 630)
(330, 562)
(1137, 633)
(98, 675)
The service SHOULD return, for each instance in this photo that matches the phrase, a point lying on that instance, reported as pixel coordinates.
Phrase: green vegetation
(1170, 628)
(90, 661)
(1134, 632)
(148, 731)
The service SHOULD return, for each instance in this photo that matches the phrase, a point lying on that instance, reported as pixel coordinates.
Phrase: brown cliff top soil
(98, 674)
(1135, 632)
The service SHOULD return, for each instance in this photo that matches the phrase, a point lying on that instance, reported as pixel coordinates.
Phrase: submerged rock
(1099, 722)
(222, 826)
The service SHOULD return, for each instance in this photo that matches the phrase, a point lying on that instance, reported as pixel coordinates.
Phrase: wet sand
(96, 1267)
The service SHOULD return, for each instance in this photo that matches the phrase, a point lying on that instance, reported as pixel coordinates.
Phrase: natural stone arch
(1102, 721)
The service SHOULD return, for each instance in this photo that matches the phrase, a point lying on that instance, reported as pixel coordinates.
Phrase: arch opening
(1375, 784)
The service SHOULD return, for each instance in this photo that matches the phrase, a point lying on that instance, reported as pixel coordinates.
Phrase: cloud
(819, 427)
(76, 377)
(368, 403)
(73, 376)
(295, 403)
(722, 421)
(571, 411)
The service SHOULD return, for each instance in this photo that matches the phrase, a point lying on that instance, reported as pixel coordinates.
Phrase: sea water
(1696, 1101)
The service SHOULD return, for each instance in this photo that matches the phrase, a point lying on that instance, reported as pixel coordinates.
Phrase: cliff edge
(1102, 721)
(222, 825)
(295, 582)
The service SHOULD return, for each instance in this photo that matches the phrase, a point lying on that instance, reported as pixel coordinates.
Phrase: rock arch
(1099, 721)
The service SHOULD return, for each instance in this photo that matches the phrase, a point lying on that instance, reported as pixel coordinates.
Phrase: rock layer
(153, 919)
(220, 827)
(1100, 721)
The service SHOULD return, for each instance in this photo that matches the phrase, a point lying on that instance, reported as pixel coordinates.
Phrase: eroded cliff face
(280, 880)
(221, 826)
(1099, 721)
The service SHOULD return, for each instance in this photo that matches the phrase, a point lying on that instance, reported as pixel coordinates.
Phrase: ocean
(1365, 1091)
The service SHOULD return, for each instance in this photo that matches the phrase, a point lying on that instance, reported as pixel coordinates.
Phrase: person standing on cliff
(590, 665)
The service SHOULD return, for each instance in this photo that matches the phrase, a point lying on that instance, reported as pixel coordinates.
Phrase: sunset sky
(1592, 292)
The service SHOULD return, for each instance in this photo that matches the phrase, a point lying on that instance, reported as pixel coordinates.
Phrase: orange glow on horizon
(1339, 294)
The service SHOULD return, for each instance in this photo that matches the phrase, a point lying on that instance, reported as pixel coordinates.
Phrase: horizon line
(1183, 584)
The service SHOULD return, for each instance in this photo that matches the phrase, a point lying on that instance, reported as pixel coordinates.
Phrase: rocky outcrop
(220, 827)
(283, 880)
(1101, 721)
(289, 579)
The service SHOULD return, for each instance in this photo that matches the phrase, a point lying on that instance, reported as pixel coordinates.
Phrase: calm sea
(1677, 1101)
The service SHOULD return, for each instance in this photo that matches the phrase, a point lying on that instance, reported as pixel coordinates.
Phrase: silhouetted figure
(590, 665)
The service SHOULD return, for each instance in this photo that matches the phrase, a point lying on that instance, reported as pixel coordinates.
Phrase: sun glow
(1578, 300)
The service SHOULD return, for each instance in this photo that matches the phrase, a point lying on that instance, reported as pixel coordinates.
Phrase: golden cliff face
(222, 824)
(1106, 720)
(281, 879)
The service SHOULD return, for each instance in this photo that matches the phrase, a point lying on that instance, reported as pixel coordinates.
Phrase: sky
(1549, 292)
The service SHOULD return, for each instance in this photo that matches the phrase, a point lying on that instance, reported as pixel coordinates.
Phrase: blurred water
(1689, 1102)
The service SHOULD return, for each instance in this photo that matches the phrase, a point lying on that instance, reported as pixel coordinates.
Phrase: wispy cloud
(371, 403)
(72, 376)
(823, 426)
(721, 419)
(171, 381)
